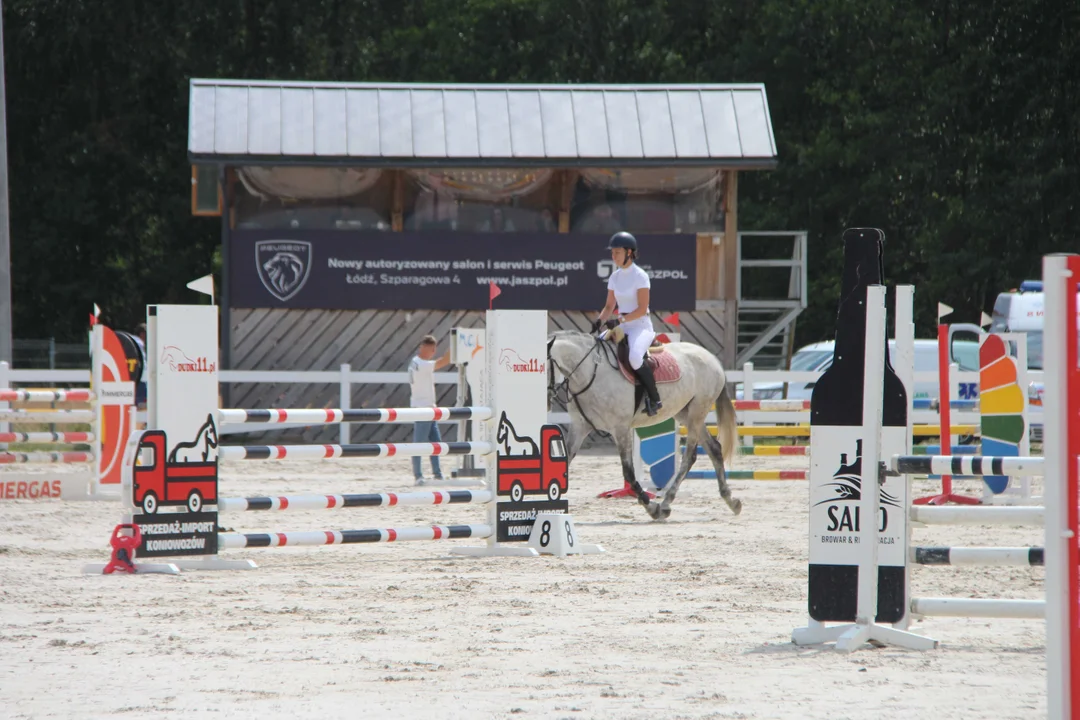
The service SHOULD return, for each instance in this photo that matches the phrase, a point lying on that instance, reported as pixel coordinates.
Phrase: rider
(628, 287)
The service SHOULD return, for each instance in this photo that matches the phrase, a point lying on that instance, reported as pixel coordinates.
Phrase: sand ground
(689, 618)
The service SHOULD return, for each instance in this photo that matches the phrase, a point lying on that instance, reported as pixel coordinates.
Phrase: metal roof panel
(264, 121)
(493, 118)
(557, 117)
(462, 130)
(428, 124)
(395, 123)
(297, 121)
(362, 124)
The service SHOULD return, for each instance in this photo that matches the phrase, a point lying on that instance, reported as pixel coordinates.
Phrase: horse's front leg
(575, 438)
(624, 440)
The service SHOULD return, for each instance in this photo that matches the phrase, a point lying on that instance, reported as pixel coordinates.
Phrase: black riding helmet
(623, 240)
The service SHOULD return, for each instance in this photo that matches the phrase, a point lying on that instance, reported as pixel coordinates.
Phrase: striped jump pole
(977, 556)
(362, 450)
(976, 465)
(9, 395)
(331, 502)
(55, 458)
(47, 416)
(984, 515)
(236, 541)
(46, 437)
(330, 416)
(983, 608)
(772, 450)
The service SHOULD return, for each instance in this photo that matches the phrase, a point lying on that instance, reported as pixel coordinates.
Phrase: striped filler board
(8, 395)
(235, 541)
(751, 474)
(329, 416)
(976, 465)
(1016, 556)
(364, 450)
(330, 502)
(46, 437)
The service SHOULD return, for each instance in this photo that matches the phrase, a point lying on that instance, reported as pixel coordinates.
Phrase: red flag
(493, 292)
(93, 320)
(672, 319)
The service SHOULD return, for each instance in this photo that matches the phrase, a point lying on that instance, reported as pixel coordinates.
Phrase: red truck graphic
(160, 482)
(541, 473)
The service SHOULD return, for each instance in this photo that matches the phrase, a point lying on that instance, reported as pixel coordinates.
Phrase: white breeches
(639, 336)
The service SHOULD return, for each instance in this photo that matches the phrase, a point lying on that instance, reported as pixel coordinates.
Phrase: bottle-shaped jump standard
(838, 474)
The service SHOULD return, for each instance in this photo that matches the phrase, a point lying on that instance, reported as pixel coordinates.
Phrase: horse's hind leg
(663, 509)
(716, 455)
(624, 440)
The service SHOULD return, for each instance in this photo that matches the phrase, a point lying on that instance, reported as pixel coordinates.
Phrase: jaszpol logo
(283, 265)
(604, 269)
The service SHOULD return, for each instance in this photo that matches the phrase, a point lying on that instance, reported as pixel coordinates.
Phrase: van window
(806, 360)
(966, 355)
(1000, 319)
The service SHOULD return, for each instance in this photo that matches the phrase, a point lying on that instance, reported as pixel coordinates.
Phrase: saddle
(664, 365)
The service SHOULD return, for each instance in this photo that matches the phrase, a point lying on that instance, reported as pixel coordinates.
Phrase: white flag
(985, 320)
(97, 311)
(943, 310)
(205, 285)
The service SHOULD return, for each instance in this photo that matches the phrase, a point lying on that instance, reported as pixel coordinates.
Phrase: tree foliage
(952, 125)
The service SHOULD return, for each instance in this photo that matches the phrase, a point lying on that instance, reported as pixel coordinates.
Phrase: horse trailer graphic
(536, 473)
(159, 482)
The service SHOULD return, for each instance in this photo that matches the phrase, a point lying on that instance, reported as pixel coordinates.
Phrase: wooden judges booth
(357, 218)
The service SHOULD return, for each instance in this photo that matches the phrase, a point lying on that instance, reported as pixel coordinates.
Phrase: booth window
(206, 197)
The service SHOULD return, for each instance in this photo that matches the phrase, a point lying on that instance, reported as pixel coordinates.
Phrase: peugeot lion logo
(283, 265)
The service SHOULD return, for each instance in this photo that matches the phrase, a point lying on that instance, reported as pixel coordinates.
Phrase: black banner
(515, 519)
(185, 533)
(348, 270)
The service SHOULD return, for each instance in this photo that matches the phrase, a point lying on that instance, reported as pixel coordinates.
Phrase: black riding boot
(652, 398)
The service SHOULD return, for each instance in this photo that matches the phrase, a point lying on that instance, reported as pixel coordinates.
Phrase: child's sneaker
(420, 481)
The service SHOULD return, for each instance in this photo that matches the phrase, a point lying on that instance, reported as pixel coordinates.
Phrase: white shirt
(625, 283)
(422, 382)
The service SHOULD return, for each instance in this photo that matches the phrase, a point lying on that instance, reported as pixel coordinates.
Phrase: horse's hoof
(665, 513)
(654, 510)
(736, 506)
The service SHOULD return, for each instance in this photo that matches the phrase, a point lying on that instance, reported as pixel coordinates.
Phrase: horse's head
(501, 434)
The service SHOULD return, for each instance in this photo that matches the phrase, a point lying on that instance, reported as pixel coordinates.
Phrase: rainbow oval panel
(1001, 405)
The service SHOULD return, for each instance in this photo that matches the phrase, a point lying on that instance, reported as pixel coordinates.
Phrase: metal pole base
(140, 568)
(852, 636)
(945, 499)
(624, 492)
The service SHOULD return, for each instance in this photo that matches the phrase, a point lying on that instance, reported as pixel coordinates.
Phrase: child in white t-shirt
(422, 386)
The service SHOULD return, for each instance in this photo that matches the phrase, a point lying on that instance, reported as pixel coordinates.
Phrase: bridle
(569, 395)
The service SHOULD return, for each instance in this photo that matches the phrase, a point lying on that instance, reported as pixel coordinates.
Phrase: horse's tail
(727, 427)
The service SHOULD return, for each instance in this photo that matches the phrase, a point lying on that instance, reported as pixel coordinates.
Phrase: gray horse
(598, 397)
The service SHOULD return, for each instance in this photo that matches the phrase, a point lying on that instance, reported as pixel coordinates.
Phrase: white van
(818, 357)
